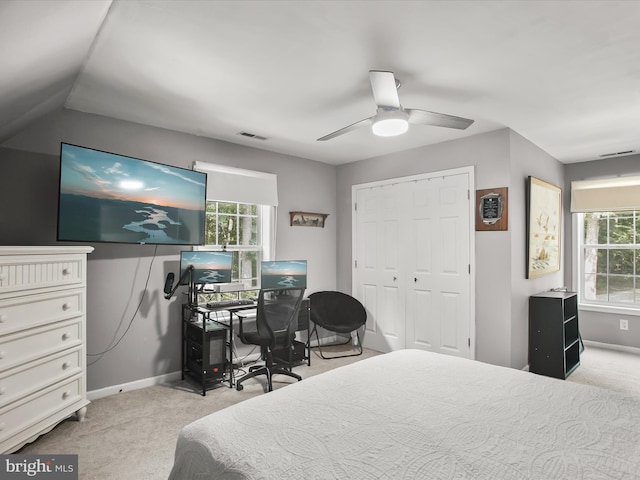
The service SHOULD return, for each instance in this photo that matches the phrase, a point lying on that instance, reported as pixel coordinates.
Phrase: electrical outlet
(624, 324)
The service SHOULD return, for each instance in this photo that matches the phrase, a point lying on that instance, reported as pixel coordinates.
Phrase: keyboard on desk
(229, 303)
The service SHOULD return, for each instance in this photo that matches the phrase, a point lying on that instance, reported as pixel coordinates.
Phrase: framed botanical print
(544, 216)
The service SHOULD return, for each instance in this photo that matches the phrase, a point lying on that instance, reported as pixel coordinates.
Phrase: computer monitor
(208, 267)
(283, 274)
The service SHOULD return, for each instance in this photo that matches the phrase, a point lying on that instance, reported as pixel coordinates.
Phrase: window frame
(579, 277)
(266, 224)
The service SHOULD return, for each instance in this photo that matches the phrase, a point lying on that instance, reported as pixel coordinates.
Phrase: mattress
(413, 414)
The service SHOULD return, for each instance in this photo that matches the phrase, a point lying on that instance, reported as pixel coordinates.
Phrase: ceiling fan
(391, 118)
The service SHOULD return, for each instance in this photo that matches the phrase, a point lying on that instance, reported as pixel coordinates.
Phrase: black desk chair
(276, 322)
(337, 312)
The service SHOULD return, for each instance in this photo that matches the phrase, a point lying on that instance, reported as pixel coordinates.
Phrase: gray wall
(501, 159)
(527, 160)
(598, 326)
(117, 274)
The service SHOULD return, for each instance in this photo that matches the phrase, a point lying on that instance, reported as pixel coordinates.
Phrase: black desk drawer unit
(554, 336)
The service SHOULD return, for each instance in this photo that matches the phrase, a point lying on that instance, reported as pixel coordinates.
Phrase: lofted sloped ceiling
(563, 74)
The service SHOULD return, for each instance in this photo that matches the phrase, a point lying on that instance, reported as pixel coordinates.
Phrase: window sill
(610, 309)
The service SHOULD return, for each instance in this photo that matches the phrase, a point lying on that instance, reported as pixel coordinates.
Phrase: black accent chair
(276, 322)
(337, 312)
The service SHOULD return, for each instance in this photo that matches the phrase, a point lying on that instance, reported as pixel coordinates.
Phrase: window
(245, 230)
(241, 211)
(609, 258)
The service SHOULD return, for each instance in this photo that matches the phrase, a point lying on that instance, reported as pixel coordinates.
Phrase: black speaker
(168, 283)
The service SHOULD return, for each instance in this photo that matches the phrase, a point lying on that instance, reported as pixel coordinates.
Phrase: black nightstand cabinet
(554, 339)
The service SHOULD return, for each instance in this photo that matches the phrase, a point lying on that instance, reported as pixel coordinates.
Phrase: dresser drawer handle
(66, 306)
(66, 365)
(66, 271)
(66, 394)
(3, 317)
(65, 336)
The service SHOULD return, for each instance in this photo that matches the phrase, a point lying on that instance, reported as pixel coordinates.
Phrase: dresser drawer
(33, 409)
(38, 342)
(27, 272)
(33, 376)
(19, 313)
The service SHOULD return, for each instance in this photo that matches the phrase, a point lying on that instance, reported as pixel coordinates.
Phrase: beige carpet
(132, 435)
(610, 369)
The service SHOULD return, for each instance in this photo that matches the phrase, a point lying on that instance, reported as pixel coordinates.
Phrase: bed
(412, 414)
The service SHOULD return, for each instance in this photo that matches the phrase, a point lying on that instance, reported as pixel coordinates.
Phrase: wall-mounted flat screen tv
(283, 274)
(105, 197)
(208, 267)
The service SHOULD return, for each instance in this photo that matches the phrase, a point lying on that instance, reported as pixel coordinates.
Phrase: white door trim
(470, 171)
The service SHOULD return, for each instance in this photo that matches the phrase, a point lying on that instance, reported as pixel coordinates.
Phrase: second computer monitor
(208, 267)
(283, 274)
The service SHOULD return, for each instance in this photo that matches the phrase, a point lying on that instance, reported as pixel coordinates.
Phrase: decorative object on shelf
(544, 214)
(492, 211)
(307, 219)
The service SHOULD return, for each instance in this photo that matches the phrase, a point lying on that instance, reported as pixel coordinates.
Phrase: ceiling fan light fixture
(390, 123)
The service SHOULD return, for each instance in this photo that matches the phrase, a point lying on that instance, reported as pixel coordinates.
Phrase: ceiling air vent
(615, 154)
(252, 135)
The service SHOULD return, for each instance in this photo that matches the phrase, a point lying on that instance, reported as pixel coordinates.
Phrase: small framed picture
(307, 219)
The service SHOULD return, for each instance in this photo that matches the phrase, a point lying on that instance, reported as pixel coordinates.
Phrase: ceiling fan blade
(385, 91)
(344, 130)
(423, 117)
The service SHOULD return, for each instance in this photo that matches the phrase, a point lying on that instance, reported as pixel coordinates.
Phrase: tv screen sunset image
(106, 197)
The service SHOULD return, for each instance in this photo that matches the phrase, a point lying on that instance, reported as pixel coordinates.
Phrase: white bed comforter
(417, 415)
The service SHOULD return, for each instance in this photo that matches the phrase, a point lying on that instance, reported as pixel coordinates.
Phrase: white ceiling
(563, 74)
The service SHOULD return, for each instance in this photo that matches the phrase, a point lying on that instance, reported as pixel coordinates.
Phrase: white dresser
(42, 340)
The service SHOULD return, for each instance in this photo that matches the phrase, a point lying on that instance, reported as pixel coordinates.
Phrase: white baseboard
(608, 346)
(328, 340)
(611, 346)
(127, 387)
(252, 357)
(174, 376)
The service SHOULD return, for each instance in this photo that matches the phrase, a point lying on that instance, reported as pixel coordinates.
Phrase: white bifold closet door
(413, 244)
